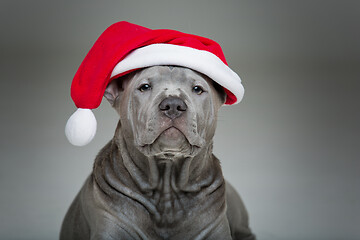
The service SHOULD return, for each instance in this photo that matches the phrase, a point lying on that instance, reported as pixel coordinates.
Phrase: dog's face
(166, 111)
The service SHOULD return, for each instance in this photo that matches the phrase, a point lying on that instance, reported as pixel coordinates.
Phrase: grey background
(291, 148)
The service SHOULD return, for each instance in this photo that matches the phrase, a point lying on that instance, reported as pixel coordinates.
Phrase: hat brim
(199, 60)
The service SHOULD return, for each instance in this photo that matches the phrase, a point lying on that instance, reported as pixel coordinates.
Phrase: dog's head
(165, 110)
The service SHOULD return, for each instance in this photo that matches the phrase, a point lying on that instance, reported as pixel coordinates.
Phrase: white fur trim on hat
(199, 60)
(80, 129)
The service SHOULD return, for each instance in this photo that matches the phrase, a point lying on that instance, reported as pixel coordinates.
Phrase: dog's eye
(198, 90)
(144, 87)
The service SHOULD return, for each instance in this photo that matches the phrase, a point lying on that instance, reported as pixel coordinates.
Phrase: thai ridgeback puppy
(158, 178)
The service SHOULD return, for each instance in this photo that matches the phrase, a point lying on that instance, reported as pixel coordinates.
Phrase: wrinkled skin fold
(158, 178)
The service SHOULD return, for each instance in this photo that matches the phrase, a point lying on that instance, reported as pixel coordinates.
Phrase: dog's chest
(171, 204)
(174, 210)
(170, 207)
(181, 215)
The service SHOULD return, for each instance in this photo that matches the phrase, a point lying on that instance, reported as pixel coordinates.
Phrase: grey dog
(158, 178)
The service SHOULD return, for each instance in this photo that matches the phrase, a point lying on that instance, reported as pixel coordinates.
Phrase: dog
(158, 178)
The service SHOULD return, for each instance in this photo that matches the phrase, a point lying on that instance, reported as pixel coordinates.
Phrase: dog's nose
(173, 107)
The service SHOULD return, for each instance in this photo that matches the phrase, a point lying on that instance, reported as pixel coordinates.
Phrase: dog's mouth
(173, 141)
(175, 133)
(172, 133)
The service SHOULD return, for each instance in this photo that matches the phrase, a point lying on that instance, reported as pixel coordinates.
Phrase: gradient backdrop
(291, 148)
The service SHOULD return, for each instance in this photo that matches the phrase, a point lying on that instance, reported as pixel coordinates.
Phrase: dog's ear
(112, 91)
(220, 91)
(117, 86)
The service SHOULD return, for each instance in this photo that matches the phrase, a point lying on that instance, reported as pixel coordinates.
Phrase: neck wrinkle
(135, 166)
(198, 172)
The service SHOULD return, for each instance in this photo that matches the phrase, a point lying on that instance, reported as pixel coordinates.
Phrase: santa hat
(125, 47)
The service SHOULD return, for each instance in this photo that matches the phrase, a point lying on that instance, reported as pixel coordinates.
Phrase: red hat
(125, 47)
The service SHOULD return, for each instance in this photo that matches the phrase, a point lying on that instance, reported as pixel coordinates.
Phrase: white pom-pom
(80, 129)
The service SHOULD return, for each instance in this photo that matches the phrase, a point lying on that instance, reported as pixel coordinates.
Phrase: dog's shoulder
(237, 215)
